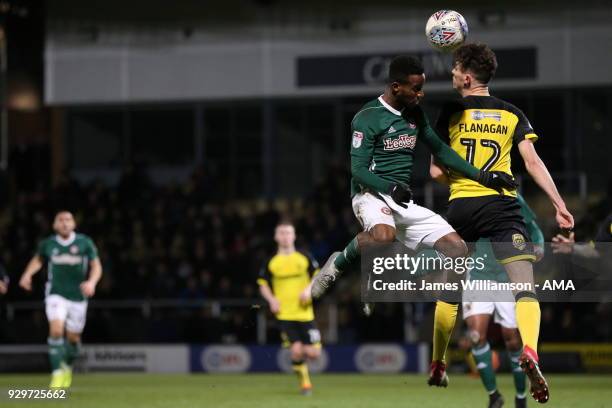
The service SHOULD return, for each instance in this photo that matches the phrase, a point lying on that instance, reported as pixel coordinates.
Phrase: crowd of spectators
(172, 241)
(180, 241)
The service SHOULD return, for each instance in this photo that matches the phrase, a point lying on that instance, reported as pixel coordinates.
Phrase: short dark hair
(403, 66)
(477, 58)
(63, 210)
(285, 221)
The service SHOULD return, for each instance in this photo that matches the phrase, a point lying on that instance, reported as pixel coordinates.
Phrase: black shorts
(294, 331)
(497, 218)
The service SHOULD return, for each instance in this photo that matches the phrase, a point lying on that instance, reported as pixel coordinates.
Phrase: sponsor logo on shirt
(66, 259)
(480, 115)
(357, 139)
(400, 142)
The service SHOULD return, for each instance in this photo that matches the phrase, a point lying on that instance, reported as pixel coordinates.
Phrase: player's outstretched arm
(538, 171)
(31, 269)
(88, 287)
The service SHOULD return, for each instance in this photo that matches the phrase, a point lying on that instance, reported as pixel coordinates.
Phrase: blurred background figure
(73, 270)
(284, 282)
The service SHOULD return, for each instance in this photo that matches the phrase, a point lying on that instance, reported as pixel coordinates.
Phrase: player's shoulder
(493, 102)
(46, 244)
(454, 105)
(268, 257)
(308, 256)
(448, 109)
(369, 114)
(49, 239)
(271, 259)
(83, 238)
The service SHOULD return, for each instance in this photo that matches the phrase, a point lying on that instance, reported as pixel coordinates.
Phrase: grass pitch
(280, 391)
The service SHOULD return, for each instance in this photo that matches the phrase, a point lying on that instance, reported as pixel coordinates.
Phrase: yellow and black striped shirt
(482, 129)
(288, 275)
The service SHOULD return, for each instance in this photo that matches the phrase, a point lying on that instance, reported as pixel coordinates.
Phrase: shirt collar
(389, 107)
(67, 241)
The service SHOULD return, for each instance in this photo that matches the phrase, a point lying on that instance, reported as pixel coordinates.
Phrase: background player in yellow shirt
(284, 281)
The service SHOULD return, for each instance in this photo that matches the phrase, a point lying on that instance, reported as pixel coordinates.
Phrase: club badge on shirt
(518, 240)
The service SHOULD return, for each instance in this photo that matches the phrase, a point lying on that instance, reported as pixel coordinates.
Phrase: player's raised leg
(379, 227)
(340, 262)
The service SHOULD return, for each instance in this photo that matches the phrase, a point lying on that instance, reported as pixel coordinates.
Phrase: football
(446, 30)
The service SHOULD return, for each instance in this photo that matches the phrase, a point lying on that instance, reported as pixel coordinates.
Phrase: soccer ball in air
(446, 30)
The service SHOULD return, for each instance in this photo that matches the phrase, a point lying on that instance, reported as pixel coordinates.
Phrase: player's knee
(476, 338)
(364, 239)
(56, 332)
(73, 337)
(456, 249)
(313, 353)
(451, 246)
(297, 352)
(383, 233)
